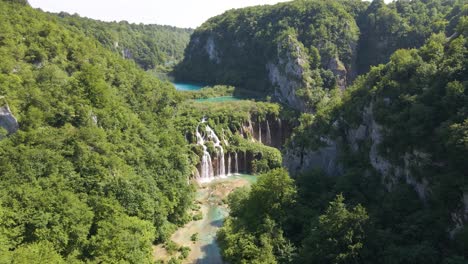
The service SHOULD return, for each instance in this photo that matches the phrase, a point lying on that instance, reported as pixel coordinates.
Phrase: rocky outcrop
(127, 54)
(392, 173)
(289, 72)
(7, 120)
(325, 158)
(459, 217)
(210, 48)
(358, 140)
(340, 71)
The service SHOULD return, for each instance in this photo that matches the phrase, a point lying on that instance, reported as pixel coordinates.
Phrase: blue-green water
(215, 218)
(187, 86)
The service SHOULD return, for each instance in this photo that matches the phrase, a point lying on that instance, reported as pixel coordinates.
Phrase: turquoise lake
(187, 86)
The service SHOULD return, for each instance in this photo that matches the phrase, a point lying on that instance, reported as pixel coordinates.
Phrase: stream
(210, 198)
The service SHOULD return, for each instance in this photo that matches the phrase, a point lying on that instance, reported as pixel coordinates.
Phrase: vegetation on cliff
(305, 49)
(99, 168)
(417, 102)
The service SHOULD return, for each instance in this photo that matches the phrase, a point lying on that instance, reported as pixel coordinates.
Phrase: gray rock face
(287, 73)
(210, 48)
(391, 173)
(460, 217)
(7, 120)
(465, 203)
(126, 53)
(325, 159)
(338, 68)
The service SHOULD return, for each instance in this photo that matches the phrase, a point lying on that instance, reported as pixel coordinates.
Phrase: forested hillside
(150, 46)
(378, 161)
(360, 142)
(96, 172)
(298, 51)
(401, 136)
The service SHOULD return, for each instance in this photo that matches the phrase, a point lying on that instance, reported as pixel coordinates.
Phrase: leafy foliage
(150, 46)
(97, 172)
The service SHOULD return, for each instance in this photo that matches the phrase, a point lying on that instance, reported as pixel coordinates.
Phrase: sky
(180, 13)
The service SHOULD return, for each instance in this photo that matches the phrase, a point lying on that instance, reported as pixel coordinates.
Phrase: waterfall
(229, 165)
(207, 171)
(259, 132)
(251, 130)
(237, 163)
(220, 155)
(268, 135)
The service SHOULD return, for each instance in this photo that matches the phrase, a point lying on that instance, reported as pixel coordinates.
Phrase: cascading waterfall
(268, 135)
(206, 171)
(251, 130)
(220, 155)
(259, 132)
(229, 165)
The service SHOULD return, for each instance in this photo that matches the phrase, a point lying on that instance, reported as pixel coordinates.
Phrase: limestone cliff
(289, 73)
(364, 138)
(8, 120)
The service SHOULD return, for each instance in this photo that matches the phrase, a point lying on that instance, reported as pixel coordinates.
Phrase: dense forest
(419, 97)
(96, 171)
(331, 42)
(150, 46)
(378, 156)
(352, 114)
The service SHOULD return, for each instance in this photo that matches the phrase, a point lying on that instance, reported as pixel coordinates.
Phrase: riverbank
(210, 197)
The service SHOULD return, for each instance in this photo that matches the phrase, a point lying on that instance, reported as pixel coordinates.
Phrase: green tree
(338, 236)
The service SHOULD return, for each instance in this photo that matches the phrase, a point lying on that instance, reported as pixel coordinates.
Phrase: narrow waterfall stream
(229, 165)
(268, 134)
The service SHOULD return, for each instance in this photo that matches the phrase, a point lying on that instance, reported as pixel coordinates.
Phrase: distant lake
(187, 86)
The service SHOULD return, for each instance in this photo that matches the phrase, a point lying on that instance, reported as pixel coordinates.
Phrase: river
(210, 198)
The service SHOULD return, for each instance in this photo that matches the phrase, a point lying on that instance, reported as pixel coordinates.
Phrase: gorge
(310, 131)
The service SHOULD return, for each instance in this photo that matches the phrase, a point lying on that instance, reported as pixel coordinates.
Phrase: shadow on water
(211, 254)
(217, 223)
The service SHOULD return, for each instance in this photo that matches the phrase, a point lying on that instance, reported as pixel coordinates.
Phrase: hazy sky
(181, 13)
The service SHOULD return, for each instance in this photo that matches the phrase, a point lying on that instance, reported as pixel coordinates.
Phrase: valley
(310, 131)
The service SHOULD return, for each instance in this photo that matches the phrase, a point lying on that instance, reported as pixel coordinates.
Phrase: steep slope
(150, 46)
(297, 52)
(395, 139)
(290, 50)
(96, 171)
(396, 144)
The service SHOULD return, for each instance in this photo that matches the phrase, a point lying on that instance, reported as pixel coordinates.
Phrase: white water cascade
(259, 132)
(206, 170)
(229, 165)
(209, 169)
(268, 135)
(221, 170)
